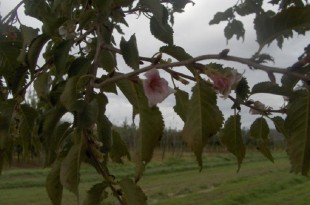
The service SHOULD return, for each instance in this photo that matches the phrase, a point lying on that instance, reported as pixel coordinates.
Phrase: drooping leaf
(69, 170)
(42, 85)
(53, 186)
(96, 194)
(181, 98)
(28, 34)
(130, 52)
(204, 118)
(85, 18)
(69, 96)
(161, 31)
(133, 194)
(260, 131)
(178, 6)
(242, 92)
(108, 59)
(151, 123)
(231, 137)
(297, 125)
(270, 88)
(119, 149)
(85, 113)
(61, 55)
(234, 27)
(269, 26)
(279, 125)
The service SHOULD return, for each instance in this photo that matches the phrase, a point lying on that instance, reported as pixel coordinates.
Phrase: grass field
(177, 181)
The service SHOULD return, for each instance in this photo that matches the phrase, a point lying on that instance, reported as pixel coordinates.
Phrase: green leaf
(34, 51)
(133, 194)
(204, 118)
(231, 137)
(86, 17)
(96, 194)
(28, 34)
(85, 113)
(270, 26)
(270, 88)
(297, 125)
(222, 16)
(248, 7)
(130, 52)
(289, 81)
(151, 123)
(234, 27)
(104, 6)
(260, 131)
(163, 33)
(61, 56)
(178, 53)
(279, 125)
(80, 66)
(69, 96)
(42, 85)
(108, 59)
(69, 170)
(119, 149)
(181, 98)
(242, 92)
(53, 186)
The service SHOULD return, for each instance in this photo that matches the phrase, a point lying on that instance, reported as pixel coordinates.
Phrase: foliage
(72, 64)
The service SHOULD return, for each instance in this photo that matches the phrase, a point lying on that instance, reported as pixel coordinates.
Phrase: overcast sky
(193, 33)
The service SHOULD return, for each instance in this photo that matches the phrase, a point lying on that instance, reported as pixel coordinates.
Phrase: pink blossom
(155, 88)
(225, 83)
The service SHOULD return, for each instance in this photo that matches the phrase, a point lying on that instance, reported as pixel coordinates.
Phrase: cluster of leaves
(78, 45)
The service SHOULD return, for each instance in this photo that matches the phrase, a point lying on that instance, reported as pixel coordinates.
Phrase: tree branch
(12, 11)
(206, 57)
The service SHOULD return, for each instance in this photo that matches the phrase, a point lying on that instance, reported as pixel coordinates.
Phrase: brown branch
(206, 57)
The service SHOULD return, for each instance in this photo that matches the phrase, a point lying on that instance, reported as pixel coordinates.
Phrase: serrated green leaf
(133, 194)
(297, 125)
(108, 60)
(86, 17)
(151, 123)
(222, 16)
(161, 31)
(42, 85)
(130, 52)
(181, 101)
(96, 194)
(204, 118)
(178, 53)
(234, 27)
(53, 186)
(269, 26)
(119, 149)
(242, 92)
(279, 125)
(270, 88)
(260, 131)
(61, 56)
(69, 95)
(248, 7)
(231, 137)
(69, 170)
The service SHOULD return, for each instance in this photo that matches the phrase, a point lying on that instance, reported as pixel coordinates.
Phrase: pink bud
(155, 88)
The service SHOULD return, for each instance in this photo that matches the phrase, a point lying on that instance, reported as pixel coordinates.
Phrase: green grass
(178, 181)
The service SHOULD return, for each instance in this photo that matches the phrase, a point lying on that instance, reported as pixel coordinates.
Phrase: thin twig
(12, 11)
